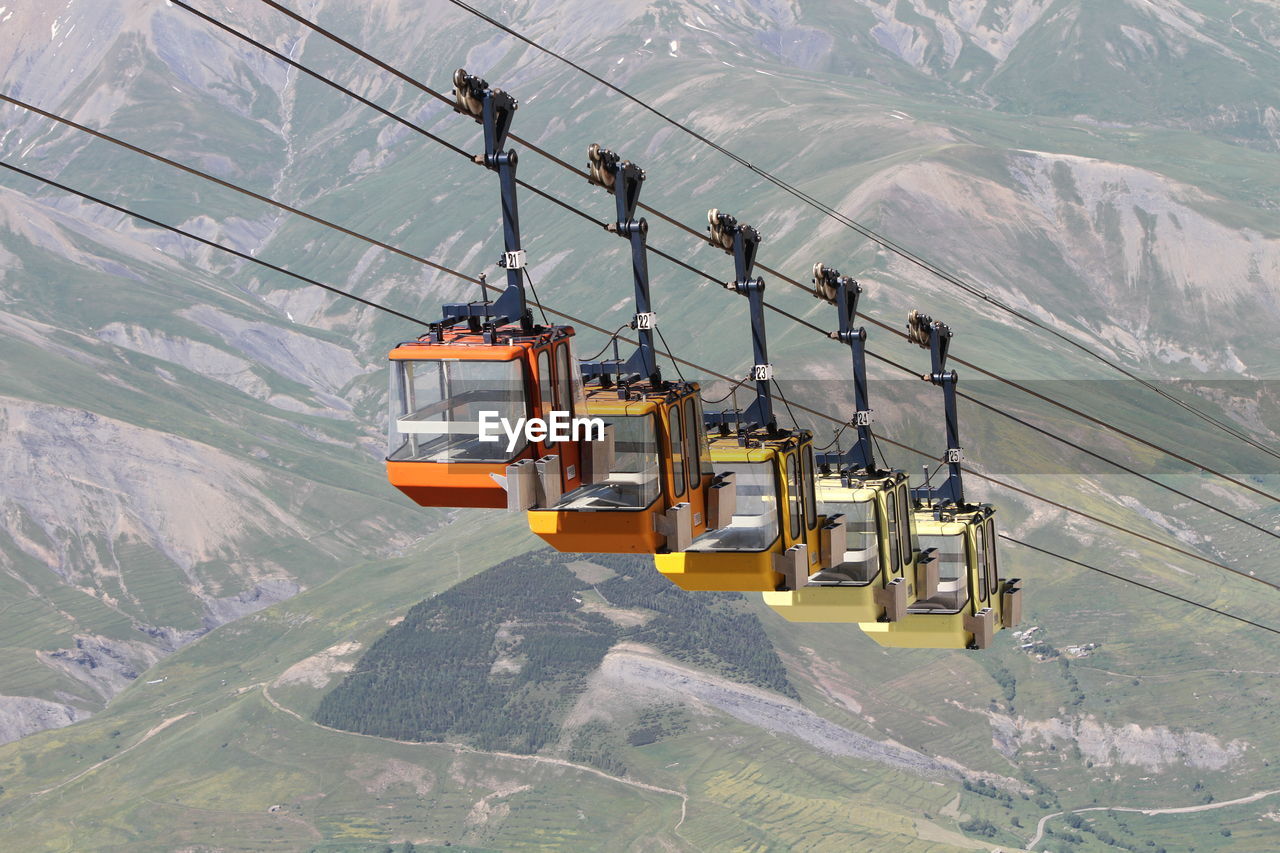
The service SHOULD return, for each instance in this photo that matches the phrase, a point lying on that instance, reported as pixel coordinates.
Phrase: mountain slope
(192, 443)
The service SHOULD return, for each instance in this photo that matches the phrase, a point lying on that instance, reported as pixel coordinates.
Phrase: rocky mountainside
(1138, 63)
(191, 444)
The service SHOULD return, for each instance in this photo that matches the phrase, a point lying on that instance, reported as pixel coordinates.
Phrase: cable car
(771, 538)
(648, 486)
(876, 569)
(971, 602)
(484, 363)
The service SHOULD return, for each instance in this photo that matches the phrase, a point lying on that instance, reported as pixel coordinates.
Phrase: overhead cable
(868, 233)
(433, 264)
(585, 324)
(307, 280)
(958, 360)
(1147, 587)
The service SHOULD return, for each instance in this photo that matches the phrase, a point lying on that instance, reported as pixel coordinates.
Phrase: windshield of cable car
(755, 519)
(633, 469)
(953, 581)
(861, 561)
(436, 404)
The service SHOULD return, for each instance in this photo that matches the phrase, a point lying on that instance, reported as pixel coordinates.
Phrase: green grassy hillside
(196, 530)
(238, 739)
(202, 757)
(498, 660)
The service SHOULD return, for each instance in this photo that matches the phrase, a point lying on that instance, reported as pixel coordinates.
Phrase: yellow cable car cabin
(648, 485)
(770, 538)
(878, 570)
(875, 569)
(971, 602)
(485, 364)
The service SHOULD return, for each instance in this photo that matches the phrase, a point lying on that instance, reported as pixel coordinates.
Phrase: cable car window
(704, 450)
(579, 396)
(398, 404)
(953, 586)
(811, 503)
(634, 469)
(993, 572)
(755, 521)
(986, 559)
(904, 517)
(795, 506)
(891, 522)
(544, 384)
(565, 371)
(980, 539)
(861, 562)
(677, 451)
(692, 435)
(436, 407)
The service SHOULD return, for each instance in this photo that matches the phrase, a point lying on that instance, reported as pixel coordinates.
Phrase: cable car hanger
(971, 601)
(649, 485)
(624, 179)
(494, 109)
(471, 400)
(872, 570)
(935, 336)
(844, 292)
(742, 242)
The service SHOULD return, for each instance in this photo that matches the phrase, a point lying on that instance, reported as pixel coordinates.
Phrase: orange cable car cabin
(445, 392)
(486, 363)
(648, 485)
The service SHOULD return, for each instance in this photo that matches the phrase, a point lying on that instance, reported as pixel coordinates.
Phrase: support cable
(585, 324)
(536, 301)
(1148, 587)
(388, 247)
(213, 244)
(423, 87)
(847, 221)
(795, 423)
(395, 313)
(597, 328)
(613, 336)
(732, 388)
(667, 347)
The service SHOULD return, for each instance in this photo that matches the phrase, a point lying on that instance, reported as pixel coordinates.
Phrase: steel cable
(378, 306)
(564, 205)
(388, 247)
(847, 221)
(1014, 384)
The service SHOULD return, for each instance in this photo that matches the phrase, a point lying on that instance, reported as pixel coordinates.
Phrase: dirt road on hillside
(1252, 798)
